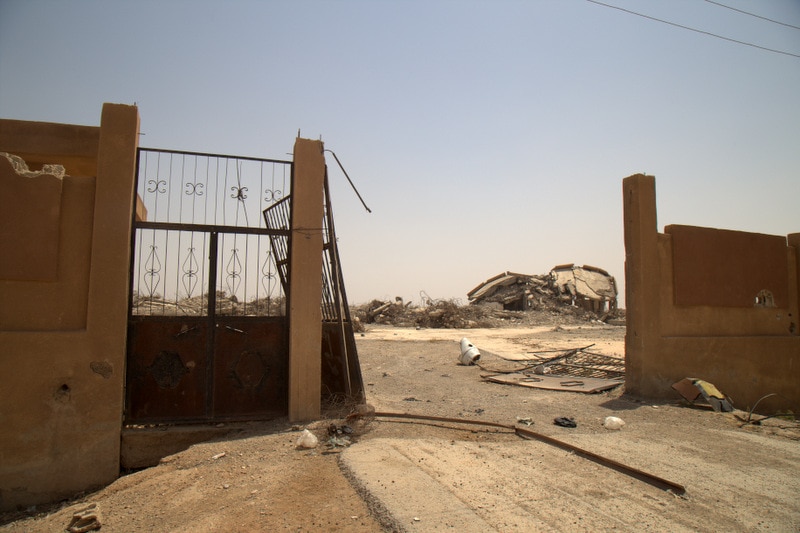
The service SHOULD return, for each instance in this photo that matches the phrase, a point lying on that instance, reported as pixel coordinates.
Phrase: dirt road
(429, 476)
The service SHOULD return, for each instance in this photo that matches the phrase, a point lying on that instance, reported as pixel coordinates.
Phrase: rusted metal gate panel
(167, 369)
(250, 369)
(207, 330)
(341, 371)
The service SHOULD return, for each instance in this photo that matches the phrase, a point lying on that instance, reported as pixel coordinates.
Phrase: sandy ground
(407, 475)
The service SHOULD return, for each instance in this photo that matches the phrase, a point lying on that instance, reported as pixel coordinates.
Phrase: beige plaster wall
(62, 334)
(720, 335)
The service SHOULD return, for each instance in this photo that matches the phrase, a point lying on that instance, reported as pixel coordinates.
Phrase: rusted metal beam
(641, 475)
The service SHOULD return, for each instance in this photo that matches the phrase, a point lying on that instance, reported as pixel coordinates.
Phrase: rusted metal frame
(328, 304)
(133, 247)
(211, 316)
(587, 364)
(339, 275)
(568, 353)
(336, 279)
(641, 475)
(210, 228)
(346, 175)
(586, 371)
(213, 231)
(221, 156)
(274, 216)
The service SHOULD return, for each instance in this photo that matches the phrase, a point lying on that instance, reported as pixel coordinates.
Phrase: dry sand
(409, 475)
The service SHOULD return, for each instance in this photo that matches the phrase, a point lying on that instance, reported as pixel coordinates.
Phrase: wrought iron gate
(341, 372)
(208, 331)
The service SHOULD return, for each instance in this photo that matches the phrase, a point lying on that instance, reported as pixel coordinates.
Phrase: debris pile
(575, 370)
(198, 305)
(437, 314)
(567, 294)
(588, 288)
(693, 388)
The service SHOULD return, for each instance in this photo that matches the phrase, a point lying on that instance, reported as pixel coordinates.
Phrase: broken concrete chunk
(85, 519)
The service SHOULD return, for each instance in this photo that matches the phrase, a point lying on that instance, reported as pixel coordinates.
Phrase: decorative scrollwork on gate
(190, 270)
(268, 275)
(239, 193)
(272, 195)
(195, 235)
(234, 269)
(193, 189)
(168, 369)
(152, 269)
(157, 186)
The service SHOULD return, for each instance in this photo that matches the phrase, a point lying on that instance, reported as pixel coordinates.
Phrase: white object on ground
(307, 440)
(469, 353)
(612, 422)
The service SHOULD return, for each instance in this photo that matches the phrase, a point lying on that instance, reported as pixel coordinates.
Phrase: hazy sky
(484, 135)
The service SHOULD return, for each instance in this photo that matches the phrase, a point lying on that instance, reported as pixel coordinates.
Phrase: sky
(485, 136)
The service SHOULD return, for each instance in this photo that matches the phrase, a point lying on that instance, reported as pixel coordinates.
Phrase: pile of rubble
(587, 287)
(568, 294)
(433, 314)
(226, 304)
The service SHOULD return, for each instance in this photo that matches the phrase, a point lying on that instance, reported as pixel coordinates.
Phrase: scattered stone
(85, 519)
(613, 423)
(307, 440)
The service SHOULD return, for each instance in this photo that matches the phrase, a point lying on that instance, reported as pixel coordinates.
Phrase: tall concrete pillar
(642, 274)
(305, 281)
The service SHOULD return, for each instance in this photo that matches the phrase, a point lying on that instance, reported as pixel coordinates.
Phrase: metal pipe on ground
(641, 475)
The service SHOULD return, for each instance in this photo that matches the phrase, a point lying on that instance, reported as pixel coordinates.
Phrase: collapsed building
(587, 287)
(586, 293)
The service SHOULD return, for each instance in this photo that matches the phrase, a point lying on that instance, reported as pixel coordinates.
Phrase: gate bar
(212, 318)
(207, 228)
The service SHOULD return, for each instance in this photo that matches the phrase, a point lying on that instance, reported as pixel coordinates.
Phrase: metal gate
(208, 332)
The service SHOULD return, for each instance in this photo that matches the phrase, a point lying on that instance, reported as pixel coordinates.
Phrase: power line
(696, 30)
(753, 15)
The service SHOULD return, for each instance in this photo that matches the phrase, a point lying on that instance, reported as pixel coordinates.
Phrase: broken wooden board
(560, 383)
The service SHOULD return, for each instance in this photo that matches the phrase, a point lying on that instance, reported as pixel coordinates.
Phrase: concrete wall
(64, 260)
(718, 305)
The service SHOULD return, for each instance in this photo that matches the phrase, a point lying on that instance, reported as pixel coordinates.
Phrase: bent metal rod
(641, 475)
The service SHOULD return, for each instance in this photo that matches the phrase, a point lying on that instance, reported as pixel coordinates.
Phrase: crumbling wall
(589, 287)
(65, 241)
(714, 304)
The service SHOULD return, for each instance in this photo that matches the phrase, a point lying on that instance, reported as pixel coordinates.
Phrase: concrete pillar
(642, 275)
(305, 281)
(107, 316)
